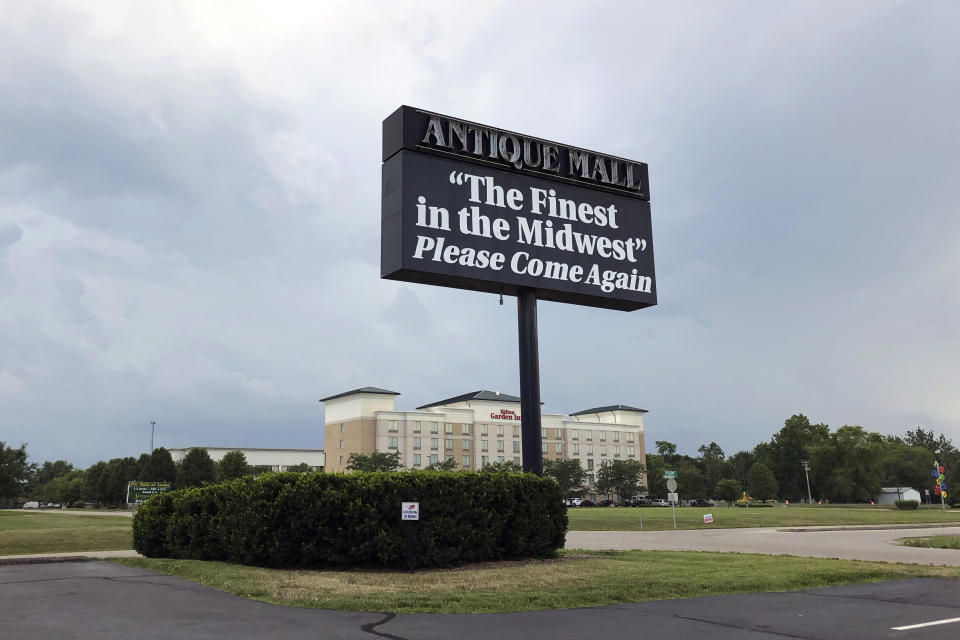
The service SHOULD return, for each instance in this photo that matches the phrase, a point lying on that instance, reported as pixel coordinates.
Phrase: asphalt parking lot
(106, 601)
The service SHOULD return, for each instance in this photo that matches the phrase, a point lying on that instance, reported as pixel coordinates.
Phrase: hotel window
(558, 448)
(589, 464)
(392, 425)
(416, 443)
(589, 434)
(483, 429)
(500, 430)
(603, 449)
(516, 446)
(484, 460)
(629, 437)
(543, 432)
(448, 428)
(341, 444)
(433, 427)
(543, 447)
(589, 478)
(448, 444)
(557, 434)
(516, 431)
(416, 426)
(433, 458)
(465, 429)
(603, 436)
(449, 457)
(500, 459)
(589, 449)
(466, 445)
(575, 434)
(516, 459)
(392, 442)
(576, 449)
(616, 436)
(616, 451)
(434, 443)
(341, 427)
(465, 462)
(484, 445)
(630, 451)
(500, 445)
(416, 459)
(341, 460)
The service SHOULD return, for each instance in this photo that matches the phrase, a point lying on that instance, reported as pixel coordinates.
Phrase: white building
(275, 459)
(888, 495)
(474, 429)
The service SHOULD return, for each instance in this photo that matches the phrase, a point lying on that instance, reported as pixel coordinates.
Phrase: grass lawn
(936, 542)
(56, 533)
(661, 518)
(575, 579)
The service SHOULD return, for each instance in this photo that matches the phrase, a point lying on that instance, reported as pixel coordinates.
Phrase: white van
(31, 505)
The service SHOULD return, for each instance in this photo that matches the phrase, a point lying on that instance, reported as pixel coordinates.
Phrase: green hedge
(326, 519)
(906, 505)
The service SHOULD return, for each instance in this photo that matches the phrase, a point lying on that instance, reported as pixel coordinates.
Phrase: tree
(847, 466)
(197, 468)
(656, 483)
(143, 466)
(14, 471)
(622, 477)
(303, 467)
(233, 465)
(666, 449)
(710, 463)
(113, 482)
(68, 488)
(570, 476)
(46, 473)
(788, 448)
(376, 461)
(447, 464)
(162, 468)
(728, 490)
(763, 485)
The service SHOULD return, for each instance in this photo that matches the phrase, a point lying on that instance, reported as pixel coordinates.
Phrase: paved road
(855, 544)
(102, 601)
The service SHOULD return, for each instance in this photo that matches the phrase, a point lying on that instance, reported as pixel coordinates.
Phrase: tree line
(849, 464)
(105, 482)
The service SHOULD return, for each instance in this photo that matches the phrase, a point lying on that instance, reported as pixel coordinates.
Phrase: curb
(44, 560)
(870, 527)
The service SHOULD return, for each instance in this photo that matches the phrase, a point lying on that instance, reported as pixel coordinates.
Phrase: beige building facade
(475, 429)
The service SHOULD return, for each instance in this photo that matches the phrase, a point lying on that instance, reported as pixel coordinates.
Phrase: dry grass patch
(574, 580)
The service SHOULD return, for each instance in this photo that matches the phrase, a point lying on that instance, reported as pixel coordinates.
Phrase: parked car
(659, 502)
(574, 502)
(607, 503)
(31, 505)
(587, 503)
(696, 502)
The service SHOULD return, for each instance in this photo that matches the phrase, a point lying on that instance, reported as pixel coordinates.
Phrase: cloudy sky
(189, 214)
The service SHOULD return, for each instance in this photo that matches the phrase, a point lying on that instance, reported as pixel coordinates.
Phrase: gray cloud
(189, 215)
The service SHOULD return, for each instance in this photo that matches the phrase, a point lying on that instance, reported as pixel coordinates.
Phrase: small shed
(888, 495)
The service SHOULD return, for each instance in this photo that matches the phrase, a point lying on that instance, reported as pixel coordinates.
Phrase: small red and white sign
(410, 511)
(707, 518)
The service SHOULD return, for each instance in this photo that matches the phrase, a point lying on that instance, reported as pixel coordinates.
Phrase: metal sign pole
(673, 505)
(529, 381)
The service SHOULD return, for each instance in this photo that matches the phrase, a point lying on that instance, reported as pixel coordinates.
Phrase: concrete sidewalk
(853, 544)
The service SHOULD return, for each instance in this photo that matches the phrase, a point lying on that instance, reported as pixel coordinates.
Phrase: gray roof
(361, 390)
(612, 407)
(474, 395)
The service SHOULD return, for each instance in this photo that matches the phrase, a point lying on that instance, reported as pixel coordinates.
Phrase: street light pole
(153, 423)
(806, 472)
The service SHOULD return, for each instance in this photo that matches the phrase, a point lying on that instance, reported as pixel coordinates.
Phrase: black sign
(474, 207)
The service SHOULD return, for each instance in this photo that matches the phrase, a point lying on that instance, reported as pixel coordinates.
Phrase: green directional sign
(669, 474)
(139, 491)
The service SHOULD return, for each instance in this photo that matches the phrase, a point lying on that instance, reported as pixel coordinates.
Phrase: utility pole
(153, 424)
(806, 472)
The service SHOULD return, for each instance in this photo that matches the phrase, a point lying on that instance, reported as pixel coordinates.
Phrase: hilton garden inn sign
(475, 207)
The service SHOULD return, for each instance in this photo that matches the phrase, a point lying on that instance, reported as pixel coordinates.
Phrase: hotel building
(474, 429)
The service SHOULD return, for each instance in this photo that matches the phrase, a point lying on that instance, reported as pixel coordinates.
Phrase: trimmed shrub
(906, 505)
(323, 519)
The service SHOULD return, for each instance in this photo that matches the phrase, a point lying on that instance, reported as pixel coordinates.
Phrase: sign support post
(529, 381)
